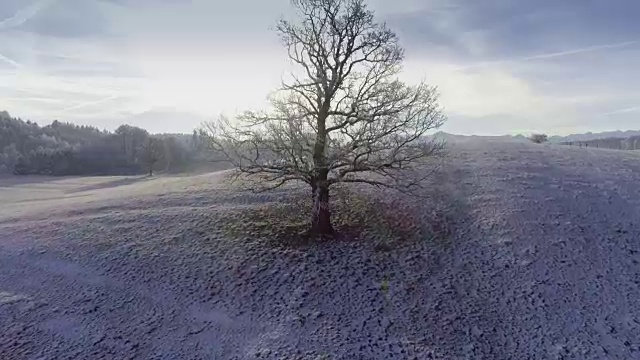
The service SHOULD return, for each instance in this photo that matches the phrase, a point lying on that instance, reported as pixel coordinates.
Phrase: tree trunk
(150, 171)
(321, 215)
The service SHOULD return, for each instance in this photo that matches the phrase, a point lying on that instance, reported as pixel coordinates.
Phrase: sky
(501, 66)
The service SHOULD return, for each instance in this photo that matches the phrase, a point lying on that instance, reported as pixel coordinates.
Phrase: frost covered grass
(358, 215)
(518, 250)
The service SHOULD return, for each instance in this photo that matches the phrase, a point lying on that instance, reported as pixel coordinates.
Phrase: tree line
(629, 143)
(61, 148)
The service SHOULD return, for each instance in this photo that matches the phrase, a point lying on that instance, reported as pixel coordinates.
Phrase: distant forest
(27, 148)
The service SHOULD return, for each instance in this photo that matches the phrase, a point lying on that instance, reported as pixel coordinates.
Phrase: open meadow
(517, 251)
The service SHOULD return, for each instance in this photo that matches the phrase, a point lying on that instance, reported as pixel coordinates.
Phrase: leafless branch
(344, 117)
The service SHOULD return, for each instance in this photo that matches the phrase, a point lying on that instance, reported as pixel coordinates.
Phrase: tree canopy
(342, 117)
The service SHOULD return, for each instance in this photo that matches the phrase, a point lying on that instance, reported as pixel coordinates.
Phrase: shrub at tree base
(539, 138)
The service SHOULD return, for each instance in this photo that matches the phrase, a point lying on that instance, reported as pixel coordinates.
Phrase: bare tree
(153, 152)
(344, 117)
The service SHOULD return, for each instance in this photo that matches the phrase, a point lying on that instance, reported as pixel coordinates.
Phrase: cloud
(476, 93)
(516, 28)
(553, 55)
(623, 111)
(501, 66)
(9, 61)
(555, 64)
(163, 119)
(24, 14)
(59, 18)
(89, 104)
(579, 51)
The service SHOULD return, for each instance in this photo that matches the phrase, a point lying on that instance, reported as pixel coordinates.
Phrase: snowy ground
(543, 263)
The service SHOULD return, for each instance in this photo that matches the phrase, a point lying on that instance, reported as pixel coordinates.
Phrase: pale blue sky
(502, 66)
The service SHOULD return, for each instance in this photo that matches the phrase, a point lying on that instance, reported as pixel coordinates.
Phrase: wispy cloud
(9, 61)
(580, 51)
(34, 99)
(553, 65)
(551, 55)
(623, 111)
(25, 14)
(88, 104)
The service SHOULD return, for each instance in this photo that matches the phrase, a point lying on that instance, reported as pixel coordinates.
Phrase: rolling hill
(541, 262)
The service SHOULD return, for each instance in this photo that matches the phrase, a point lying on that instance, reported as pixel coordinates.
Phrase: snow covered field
(542, 263)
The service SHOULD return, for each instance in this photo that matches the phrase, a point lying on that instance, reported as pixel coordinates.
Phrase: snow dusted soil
(542, 263)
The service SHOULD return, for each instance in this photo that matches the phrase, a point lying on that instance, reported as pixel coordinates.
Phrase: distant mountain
(554, 139)
(166, 121)
(594, 136)
(455, 137)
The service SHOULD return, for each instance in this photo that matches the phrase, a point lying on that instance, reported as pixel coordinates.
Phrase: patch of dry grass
(357, 216)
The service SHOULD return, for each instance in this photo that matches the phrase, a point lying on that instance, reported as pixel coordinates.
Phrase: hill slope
(543, 263)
